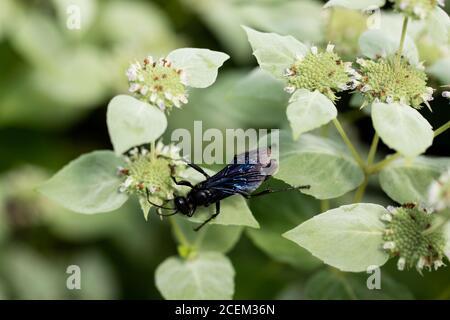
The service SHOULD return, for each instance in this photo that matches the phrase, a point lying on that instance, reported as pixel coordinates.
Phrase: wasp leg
(210, 218)
(268, 191)
(182, 182)
(198, 169)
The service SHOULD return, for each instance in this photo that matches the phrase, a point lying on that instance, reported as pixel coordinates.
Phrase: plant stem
(373, 149)
(349, 144)
(442, 129)
(324, 205)
(402, 39)
(380, 165)
(359, 194)
(179, 235)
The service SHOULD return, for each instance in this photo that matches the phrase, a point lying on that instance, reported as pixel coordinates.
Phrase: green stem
(373, 149)
(361, 190)
(349, 144)
(324, 205)
(383, 163)
(402, 39)
(179, 235)
(442, 129)
(380, 165)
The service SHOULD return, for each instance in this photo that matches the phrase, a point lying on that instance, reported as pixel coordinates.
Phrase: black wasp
(242, 177)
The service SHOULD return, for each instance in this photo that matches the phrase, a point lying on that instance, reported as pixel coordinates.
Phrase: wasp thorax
(391, 80)
(322, 71)
(409, 235)
(417, 9)
(158, 82)
(149, 173)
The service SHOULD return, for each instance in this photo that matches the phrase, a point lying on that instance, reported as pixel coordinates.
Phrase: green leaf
(212, 237)
(132, 122)
(439, 25)
(277, 213)
(233, 210)
(402, 128)
(408, 181)
(207, 276)
(31, 275)
(274, 53)
(384, 43)
(88, 184)
(349, 238)
(309, 110)
(283, 18)
(200, 65)
(441, 70)
(319, 162)
(355, 5)
(336, 285)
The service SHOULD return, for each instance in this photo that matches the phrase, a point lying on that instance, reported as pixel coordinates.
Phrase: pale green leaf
(402, 128)
(319, 162)
(88, 184)
(212, 237)
(441, 70)
(283, 18)
(274, 52)
(132, 122)
(234, 211)
(356, 5)
(336, 285)
(277, 213)
(207, 276)
(409, 180)
(309, 110)
(349, 238)
(439, 25)
(200, 65)
(383, 43)
(33, 276)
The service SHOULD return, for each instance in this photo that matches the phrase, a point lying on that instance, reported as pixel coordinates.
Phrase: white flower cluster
(158, 82)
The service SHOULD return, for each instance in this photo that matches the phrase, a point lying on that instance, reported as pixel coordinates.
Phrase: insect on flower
(242, 177)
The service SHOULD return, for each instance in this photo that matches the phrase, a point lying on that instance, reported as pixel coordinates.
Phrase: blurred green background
(55, 84)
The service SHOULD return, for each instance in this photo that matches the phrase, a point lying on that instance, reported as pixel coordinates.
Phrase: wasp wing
(244, 175)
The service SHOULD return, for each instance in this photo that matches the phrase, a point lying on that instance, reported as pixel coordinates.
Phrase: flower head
(417, 9)
(439, 192)
(408, 236)
(149, 173)
(322, 71)
(387, 80)
(158, 82)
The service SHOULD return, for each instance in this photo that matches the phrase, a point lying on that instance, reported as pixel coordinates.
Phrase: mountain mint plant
(386, 76)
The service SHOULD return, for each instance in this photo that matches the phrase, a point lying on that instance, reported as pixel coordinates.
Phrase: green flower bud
(322, 71)
(408, 235)
(149, 173)
(158, 83)
(388, 80)
(417, 9)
